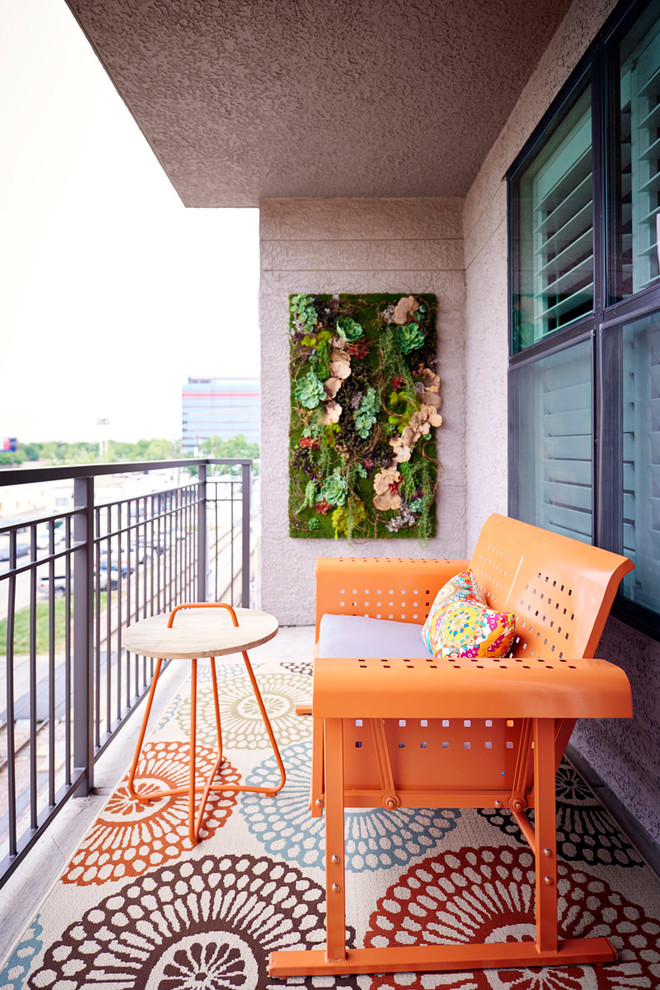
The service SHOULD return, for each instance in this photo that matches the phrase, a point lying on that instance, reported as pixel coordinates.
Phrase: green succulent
(347, 517)
(409, 337)
(348, 329)
(303, 310)
(333, 490)
(365, 415)
(313, 524)
(355, 471)
(309, 391)
(310, 496)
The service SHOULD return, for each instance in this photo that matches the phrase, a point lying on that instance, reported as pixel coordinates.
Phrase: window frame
(604, 326)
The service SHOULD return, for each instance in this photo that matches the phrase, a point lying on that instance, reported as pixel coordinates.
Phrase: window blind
(556, 429)
(641, 458)
(639, 189)
(556, 229)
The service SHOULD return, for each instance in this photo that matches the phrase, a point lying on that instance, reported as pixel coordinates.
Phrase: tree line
(82, 452)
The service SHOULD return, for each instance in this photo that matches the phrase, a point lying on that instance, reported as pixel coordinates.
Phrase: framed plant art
(365, 400)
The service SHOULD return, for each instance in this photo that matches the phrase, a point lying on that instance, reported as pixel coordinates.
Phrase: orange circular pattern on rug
(129, 837)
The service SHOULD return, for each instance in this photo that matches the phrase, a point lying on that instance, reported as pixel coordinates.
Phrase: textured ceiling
(244, 99)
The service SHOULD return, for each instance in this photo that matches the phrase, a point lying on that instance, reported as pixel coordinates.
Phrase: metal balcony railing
(70, 583)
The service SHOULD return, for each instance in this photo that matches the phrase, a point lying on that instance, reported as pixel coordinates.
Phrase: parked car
(43, 534)
(115, 565)
(58, 586)
(21, 550)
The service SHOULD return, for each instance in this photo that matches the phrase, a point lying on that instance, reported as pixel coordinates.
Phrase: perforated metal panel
(402, 589)
(559, 589)
(428, 753)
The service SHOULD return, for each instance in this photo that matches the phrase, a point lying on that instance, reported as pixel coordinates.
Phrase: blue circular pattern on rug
(376, 839)
(12, 977)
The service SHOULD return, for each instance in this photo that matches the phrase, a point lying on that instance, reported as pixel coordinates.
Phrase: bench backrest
(561, 590)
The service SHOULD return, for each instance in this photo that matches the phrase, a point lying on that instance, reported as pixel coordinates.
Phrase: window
(584, 376)
(635, 157)
(556, 270)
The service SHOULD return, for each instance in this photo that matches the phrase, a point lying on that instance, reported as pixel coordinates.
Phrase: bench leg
(545, 834)
(335, 873)
(546, 951)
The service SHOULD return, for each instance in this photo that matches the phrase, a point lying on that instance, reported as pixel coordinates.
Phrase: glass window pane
(555, 447)
(635, 162)
(641, 459)
(554, 281)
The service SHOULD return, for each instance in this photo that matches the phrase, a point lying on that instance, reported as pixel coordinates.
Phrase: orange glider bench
(465, 733)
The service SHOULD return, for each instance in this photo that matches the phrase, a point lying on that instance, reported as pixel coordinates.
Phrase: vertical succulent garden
(365, 400)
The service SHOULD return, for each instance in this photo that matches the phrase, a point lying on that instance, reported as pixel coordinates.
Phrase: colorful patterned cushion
(468, 628)
(461, 587)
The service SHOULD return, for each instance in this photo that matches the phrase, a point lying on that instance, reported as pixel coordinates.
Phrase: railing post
(83, 603)
(202, 536)
(246, 471)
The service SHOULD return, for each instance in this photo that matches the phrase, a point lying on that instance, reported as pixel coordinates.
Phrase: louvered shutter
(556, 433)
(641, 458)
(556, 270)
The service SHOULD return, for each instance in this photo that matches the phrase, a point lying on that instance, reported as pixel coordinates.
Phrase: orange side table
(196, 631)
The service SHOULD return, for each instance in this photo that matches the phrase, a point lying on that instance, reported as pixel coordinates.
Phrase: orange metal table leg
(193, 749)
(195, 820)
(143, 728)
(269, 791)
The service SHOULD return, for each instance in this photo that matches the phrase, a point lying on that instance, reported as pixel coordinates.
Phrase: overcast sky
(111, 292)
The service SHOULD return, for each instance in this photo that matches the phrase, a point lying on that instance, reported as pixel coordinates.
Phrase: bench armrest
(391, 588)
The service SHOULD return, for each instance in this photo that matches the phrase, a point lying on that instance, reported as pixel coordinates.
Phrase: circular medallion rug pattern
(585, 832)
(138, 907)
(131, 836)
(211, 924)
(487, 895)
(375, 839)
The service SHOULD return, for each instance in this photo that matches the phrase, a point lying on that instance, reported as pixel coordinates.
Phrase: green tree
(12, 456)
(159, 450)
(237, 446)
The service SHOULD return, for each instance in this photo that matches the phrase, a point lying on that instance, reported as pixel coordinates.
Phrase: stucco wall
(355, 245)
(623, 753)
(485, 234)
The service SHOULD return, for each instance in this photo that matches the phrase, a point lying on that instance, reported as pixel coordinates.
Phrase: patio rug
(138, 907)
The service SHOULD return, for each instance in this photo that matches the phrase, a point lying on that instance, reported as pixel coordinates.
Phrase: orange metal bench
(462, 733)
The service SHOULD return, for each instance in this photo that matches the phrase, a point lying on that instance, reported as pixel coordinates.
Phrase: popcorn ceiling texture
(242, 101)
(356, 245)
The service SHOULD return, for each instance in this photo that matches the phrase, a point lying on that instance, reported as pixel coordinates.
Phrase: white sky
(111, 292)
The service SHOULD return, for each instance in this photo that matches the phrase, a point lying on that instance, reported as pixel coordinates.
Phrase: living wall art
(365, 400)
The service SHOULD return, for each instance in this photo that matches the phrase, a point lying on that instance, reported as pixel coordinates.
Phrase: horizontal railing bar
(165, 514)
(37, 521)
(30, 565)
(63, 472)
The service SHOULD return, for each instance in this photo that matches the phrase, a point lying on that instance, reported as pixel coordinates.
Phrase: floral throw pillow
(461, 587)
(468, 628)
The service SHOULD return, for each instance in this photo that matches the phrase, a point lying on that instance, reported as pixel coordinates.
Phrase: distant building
(219, 407)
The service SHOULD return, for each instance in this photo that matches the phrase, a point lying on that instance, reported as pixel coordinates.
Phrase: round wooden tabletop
(201, 632)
